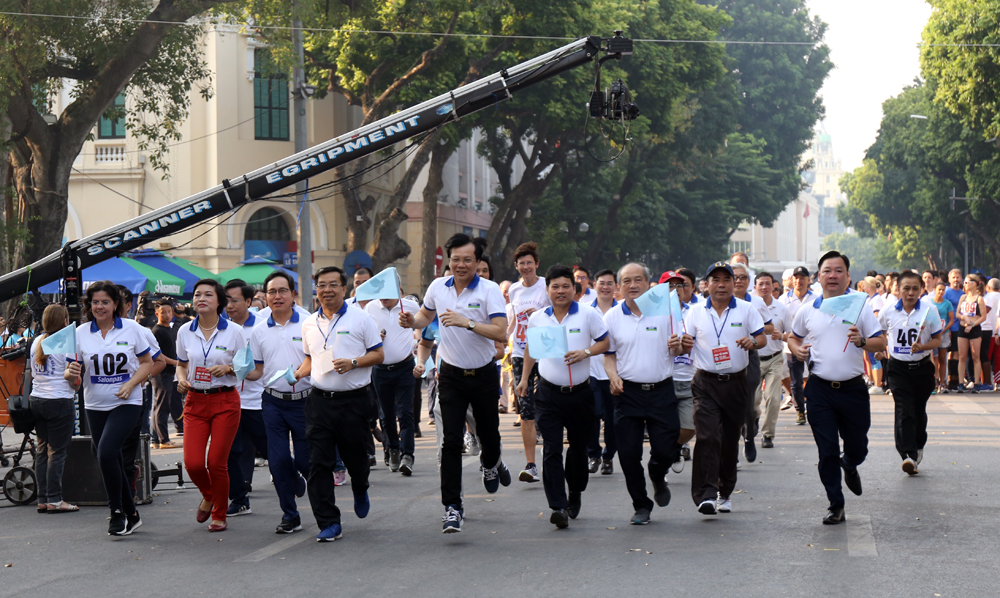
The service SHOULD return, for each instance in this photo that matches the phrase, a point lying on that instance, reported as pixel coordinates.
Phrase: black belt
(395, 366)
(771, 356)
(447, 369)
(565, 389)
(910, 365)
(647, 386)
(288, 396)
(213, 391)
(857, 380)
(341, 394)
(740, 375)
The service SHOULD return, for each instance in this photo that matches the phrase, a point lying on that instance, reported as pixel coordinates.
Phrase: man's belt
(213, 391)
(395, 366)
(771, 356)
(740, 375)
(857, 380)
(288, 396)
(565, 389)
(341, 394)
(647, 385)
(456, 372)
(910, 365)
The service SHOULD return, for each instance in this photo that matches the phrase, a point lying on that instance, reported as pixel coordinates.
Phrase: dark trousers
(456, 392)
(844, 412)
(656, 412)
(608, 412)
(418, 399)
(164, 388)
(54, 428)
(284, 423)
(719, 416)
(594, 442)
(796, 369)
(249, 440)
(130, 450)
(395, 396)
(109, 430)
(753, 383)
(911, 388)
(554, 412)
(332, 425)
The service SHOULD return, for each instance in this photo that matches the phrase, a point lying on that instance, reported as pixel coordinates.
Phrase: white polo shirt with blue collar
(640, 344)
(684, 364)
(597, 371)
(276, 347)
(110, 361)
(584, 327)
(250, 389)
(903, 329)
(827, 336)
(480, 302)
(193, 351)
(350, 334)
(740, 319)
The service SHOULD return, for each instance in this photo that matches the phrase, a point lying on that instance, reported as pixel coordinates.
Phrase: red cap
(670, 275)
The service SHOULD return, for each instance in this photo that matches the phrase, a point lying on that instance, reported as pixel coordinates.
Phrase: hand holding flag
(846, 308)
(243, 362)
(547, 342)
(655, 301)
(61, 342)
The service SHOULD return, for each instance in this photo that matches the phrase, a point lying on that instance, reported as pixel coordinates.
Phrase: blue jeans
(796, 369)
(284, 419)
(395, 396)
(54, 427)
(250, 439)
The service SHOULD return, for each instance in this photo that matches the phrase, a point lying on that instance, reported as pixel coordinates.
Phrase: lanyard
(718, 332)
(205, 350)
(330, 329)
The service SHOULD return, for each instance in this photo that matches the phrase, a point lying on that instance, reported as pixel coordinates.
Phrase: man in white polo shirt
(607, 285)
(393, 378)
(767, 401)
(565, 400)
(913, 329)
(471, 316)
(639, 366)
(839, 405)
(719, 335)
(742, 278)
(798, 295)
(341, 344)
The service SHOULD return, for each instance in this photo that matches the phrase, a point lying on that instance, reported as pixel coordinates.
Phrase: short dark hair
(461, 240)
(910, 274)
(220, 291)
(108, 287)
(529, 248)
(872, 273)
(577, 287)
(246, 290)
(558, 271)
(489, 266)
(605, 272)
(165, 301)
(327, 270)
(834, 254)
(581, 269)
(767, 274)
(931, 272)
(688, 274)
(892, 275)
(279, 274)
(365, 268)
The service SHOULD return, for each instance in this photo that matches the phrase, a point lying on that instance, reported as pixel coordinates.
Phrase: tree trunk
(428, 244)
(597, 244)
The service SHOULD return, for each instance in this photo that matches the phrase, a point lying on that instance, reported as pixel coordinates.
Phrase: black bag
(20, 414)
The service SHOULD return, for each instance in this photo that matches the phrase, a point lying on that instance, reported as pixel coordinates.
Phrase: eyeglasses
(276, 292)
(680, 285)
(466, 261)
(324, 286)
(741, 278)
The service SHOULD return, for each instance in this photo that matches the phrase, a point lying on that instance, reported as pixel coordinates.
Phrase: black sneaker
(394, 457)
(834, 515)
(661, 492)
(607, 467)
(406, 465)
(750, 449)
(494, 476)
(852, 479)
(767, 442)
(118, 523)
(574, 504)
(452, 520)
(641, 517)
(559, 518)
(372, 461)
(131, 523)
(288, 526)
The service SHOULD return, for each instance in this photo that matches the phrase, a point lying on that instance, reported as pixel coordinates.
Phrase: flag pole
(856, 320)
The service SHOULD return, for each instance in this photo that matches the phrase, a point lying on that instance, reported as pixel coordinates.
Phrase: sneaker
(132, 522)
(288, 526)
(800, 419)
(474, 448)
(834, 515)
(767, 442)
(406, 465)
(236, 509)
(661, 492)
(529, 474)
(575, 501)
(641, 517)
(362, 505)
(724, 505)
(686, 451)
(467, 444)
(708, 507)
(910, 466)
(969, 385)
(607, 467)
(593, 464)
(300, 487)
(452, 521)
(168, 445)
(339, 477)
(494, 476)
(259, 462)
(750, 450)
(876, 390)
(678, 465)
(334, 532)
(559, 518)
(385, 455)
(394, 460)
(372, 461)
(944, 390)
(786, 404)
(118, 523)
(920, 456)
(985, 388)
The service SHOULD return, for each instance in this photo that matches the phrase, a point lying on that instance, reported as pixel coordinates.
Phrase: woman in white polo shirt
(112, 360)
(205, 351)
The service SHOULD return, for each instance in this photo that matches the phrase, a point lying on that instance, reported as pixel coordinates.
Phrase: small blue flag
(60, 343)
(845, 307)
(547, 342)
(384, 285)
(288, 375)
(655, 301)
(428, 366)
(675, 308)
(243, 362)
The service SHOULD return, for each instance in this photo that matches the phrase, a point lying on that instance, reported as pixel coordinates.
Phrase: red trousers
(215, 416)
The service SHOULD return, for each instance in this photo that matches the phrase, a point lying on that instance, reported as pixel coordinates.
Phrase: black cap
(719, 266)
(800, 271)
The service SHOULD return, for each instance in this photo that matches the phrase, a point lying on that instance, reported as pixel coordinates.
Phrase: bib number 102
(114, 363)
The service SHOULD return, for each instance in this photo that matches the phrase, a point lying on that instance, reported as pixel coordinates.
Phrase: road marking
(860, 539)
(965, 406)
(273, 549)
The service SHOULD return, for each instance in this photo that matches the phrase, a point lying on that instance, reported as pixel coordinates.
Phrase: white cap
(786, 274)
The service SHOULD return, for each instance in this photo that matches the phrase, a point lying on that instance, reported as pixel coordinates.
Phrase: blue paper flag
(547, 342)
(655, 301)
(287, 374)
(675, 308)
(384, 285)
(243, 362)
(60, 343)
(845, 307)
(428, 366)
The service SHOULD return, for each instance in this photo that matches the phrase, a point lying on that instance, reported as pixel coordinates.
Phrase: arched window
(268, 224)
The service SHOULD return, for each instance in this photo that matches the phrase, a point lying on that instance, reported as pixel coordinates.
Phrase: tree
(130, 47)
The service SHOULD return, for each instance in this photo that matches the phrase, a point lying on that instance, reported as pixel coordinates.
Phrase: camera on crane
(615, 102)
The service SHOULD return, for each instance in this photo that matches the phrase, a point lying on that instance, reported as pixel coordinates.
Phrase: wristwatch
(354, 363)
(471, 325)
(864, 342)
(587, 351)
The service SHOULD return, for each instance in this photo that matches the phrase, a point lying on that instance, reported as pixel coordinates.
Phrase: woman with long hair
(52, 408)
(205, 351)
(971, 313)
(113, 359)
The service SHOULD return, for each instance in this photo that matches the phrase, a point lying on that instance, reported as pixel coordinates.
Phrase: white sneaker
(909, 466)
(529, 474)
(724, 505)
(876, 390)
(920, 456)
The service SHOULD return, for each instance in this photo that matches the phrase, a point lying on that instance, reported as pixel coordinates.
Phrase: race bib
(683, 360)
(902, 351)
(720, 355)
(202, 378)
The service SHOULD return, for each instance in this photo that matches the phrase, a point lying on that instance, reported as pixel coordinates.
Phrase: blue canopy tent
(131, 274)
(182, 269)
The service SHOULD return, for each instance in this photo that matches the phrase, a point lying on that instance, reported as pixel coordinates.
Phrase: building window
(482, 233)
(270, 100)
(743, 246)
(112, 125)
(467, 230)
(267, 224)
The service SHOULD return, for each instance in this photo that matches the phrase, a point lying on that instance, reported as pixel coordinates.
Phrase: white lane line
(273, 549)
(860, 539)
(965, 406)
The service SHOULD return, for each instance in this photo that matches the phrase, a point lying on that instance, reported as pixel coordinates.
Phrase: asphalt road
(935, 534)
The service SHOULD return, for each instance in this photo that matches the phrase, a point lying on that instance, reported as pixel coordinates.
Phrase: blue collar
(819, 301)
(223, 323)
(694, 299)
(341, 311)
(899, 305)
(573, 308)
(472, 284)
(732, 303)
(748, 298)
(614, 302)
(95, 328)
(791, 294)
(294, 319)
(251, 319)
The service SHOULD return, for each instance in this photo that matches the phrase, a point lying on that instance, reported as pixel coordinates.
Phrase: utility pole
(300, 93)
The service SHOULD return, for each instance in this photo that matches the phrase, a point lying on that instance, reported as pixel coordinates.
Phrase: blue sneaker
(236, 509)
(494, 476)
(300, 487)
(362, 505)
(334, 532)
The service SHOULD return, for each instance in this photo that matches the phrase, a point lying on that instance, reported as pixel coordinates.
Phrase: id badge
(202, 378)
(325, 361)
(721, 357)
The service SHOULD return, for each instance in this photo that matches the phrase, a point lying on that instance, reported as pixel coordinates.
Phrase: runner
(794, 299)
(601, 387)
(771, 358)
